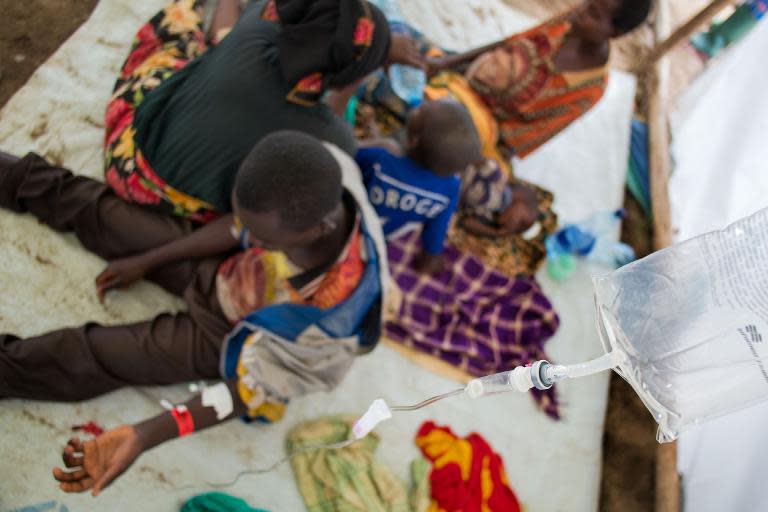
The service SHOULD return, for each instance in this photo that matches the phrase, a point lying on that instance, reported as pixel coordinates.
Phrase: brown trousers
(83, 362)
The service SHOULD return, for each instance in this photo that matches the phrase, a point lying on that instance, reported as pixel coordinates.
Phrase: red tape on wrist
(184, 420)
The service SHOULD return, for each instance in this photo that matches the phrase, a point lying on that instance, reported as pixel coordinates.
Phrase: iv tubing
(540, 375)
(555, 373)
(428, 401)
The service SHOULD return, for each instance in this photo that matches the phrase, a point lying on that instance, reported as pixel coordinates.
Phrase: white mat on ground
(47, 282)
(720, 176)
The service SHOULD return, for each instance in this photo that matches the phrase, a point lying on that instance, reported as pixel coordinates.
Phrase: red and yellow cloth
(467, 475)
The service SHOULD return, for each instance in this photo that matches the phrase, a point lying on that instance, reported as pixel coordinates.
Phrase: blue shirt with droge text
(405, 193)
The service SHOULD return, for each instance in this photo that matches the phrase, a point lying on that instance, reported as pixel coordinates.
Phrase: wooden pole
(658, 136)
(664, 45)
(659, 161)
(656, 68)
(656, 76)
(667, 479)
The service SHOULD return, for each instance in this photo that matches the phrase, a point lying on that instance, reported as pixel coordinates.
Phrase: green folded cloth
(217, 502)
(350, 479)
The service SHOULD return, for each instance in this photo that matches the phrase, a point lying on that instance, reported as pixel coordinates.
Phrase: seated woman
(521, 92)
(186, 111)
(525, 89)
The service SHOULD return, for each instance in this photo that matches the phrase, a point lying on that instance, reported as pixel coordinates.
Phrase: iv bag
(692, 321)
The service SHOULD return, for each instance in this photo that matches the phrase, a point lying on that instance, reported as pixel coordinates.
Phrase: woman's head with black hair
(630, 14)
(600, 20)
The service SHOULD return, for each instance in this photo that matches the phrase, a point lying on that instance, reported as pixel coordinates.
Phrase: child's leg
(105, 224)
(80, 363)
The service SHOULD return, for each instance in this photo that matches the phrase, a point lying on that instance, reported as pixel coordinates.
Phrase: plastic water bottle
(407, 82)
(588, 240)
(390, 8)
(610, 253)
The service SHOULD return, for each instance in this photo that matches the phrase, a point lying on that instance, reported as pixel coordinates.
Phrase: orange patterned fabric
(255, 278)
(542, 100)
(342, 279)
(467, 475)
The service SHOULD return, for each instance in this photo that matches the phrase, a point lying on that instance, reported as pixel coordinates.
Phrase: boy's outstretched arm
(93, 465)
(431, 259)
(212, 239)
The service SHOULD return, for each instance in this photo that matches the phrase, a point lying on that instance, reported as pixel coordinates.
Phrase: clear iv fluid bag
(693, 322)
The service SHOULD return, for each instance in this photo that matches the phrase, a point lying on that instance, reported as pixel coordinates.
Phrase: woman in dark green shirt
(186, 110)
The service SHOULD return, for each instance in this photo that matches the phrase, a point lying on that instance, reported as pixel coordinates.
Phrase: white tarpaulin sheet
(47, 282)
(721, 175)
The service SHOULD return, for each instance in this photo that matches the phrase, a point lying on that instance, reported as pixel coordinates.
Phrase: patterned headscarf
(327, 43)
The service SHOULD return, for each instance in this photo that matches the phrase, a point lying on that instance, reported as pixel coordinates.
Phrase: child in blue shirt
(421, 185)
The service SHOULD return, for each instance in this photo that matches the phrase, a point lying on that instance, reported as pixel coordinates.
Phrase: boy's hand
(427, 263)
(435, 66)
(522, 213)
(95, 464)
(403, 50)
(120, 274)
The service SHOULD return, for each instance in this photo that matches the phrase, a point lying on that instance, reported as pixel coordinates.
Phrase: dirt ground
(31, 30)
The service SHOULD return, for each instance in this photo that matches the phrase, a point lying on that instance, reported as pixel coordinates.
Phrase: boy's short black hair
(293, 174)
(449, 139)
(630, 14)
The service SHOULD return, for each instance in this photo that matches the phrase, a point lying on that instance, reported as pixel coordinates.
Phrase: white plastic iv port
(377, 412)
(517, 379)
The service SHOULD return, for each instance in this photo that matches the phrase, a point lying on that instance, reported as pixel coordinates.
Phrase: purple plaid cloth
(471, 315)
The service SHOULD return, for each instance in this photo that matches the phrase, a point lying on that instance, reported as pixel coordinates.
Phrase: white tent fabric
(47, 282)
(721, 175)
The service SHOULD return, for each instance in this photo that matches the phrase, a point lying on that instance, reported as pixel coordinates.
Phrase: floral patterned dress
(164, 45)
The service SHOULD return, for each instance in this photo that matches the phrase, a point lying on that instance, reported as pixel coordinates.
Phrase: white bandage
(532, 232)
(220, 399)
(377, 412)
